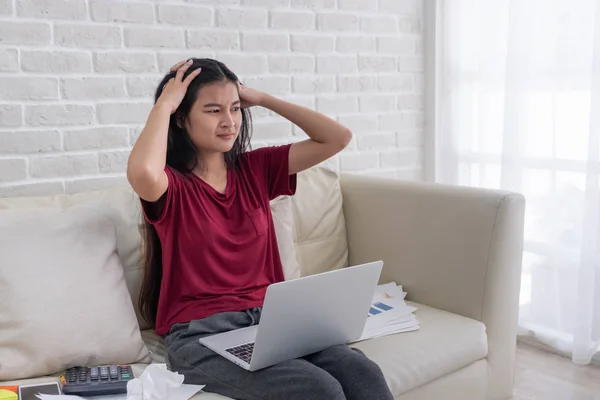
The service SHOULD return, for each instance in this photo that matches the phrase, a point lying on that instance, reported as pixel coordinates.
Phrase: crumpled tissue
(158, 383)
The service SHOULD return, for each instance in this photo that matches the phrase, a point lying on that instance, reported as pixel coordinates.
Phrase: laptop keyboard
(243, 352)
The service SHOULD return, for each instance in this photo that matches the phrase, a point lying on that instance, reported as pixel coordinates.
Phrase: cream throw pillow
(64, 297)
(320, 226)
(283, 221)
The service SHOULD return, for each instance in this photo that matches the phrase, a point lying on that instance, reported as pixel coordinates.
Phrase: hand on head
(176, 88)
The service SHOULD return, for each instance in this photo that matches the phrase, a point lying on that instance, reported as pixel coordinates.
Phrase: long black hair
(182, 155)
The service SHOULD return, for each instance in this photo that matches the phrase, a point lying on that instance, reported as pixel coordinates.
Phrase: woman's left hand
(250, 97)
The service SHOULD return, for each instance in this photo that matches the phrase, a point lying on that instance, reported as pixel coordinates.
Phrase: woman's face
(215, 118)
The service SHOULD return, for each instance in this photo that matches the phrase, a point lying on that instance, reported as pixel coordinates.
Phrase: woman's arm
(146, 164)
(327, 137)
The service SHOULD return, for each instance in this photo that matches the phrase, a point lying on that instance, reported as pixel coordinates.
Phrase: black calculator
(96, 381)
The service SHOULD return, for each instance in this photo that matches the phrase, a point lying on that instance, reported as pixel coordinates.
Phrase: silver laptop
(303, 316)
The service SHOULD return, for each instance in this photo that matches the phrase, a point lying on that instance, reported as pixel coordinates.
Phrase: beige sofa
(456, 251)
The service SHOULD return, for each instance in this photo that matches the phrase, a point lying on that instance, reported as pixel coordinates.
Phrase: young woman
(210, 246)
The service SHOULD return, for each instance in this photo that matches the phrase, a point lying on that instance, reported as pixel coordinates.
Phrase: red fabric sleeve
(160, 208)
(273, 163)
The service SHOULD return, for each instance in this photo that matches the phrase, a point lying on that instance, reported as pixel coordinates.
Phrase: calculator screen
(29, 392)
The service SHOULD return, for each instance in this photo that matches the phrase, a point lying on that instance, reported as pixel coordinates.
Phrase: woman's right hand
(174, 90)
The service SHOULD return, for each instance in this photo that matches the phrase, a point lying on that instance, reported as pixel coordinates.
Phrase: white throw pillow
(123, 209)
(64, 297)
(283, 220)
(320, 226)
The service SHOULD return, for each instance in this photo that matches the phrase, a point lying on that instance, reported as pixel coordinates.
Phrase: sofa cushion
(125, 213)
(285, 226)
(320, 233)
(445, 343)
(156, 346)
(65, 301)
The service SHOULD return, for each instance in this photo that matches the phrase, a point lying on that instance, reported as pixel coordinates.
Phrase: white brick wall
(77, 79)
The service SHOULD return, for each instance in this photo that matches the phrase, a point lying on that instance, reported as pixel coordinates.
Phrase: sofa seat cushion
(156, 346)
(445, 343)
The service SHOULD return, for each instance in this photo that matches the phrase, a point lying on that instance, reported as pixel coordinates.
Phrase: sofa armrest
(455, 248)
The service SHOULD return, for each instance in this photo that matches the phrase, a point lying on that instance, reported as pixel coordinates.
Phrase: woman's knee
(366, 365)
(355, 360)
(325, 387)
(303, 380)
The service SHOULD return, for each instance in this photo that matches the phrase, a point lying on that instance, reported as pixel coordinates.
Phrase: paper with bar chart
(389, 313)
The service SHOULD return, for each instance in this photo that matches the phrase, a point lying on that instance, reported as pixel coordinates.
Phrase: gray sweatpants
(334, 374)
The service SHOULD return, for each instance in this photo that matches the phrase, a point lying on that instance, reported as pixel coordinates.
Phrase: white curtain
(518, 108)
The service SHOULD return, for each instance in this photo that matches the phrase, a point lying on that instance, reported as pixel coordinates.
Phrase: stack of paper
(389, 313)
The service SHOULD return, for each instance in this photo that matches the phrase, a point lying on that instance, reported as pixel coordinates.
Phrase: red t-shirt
(219, 251)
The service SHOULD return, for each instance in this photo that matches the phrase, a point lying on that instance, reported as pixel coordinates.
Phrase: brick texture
(77, 79)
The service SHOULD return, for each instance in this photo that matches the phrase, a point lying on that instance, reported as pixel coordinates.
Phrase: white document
(389, 313)
(185, 391)
(72, 397)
